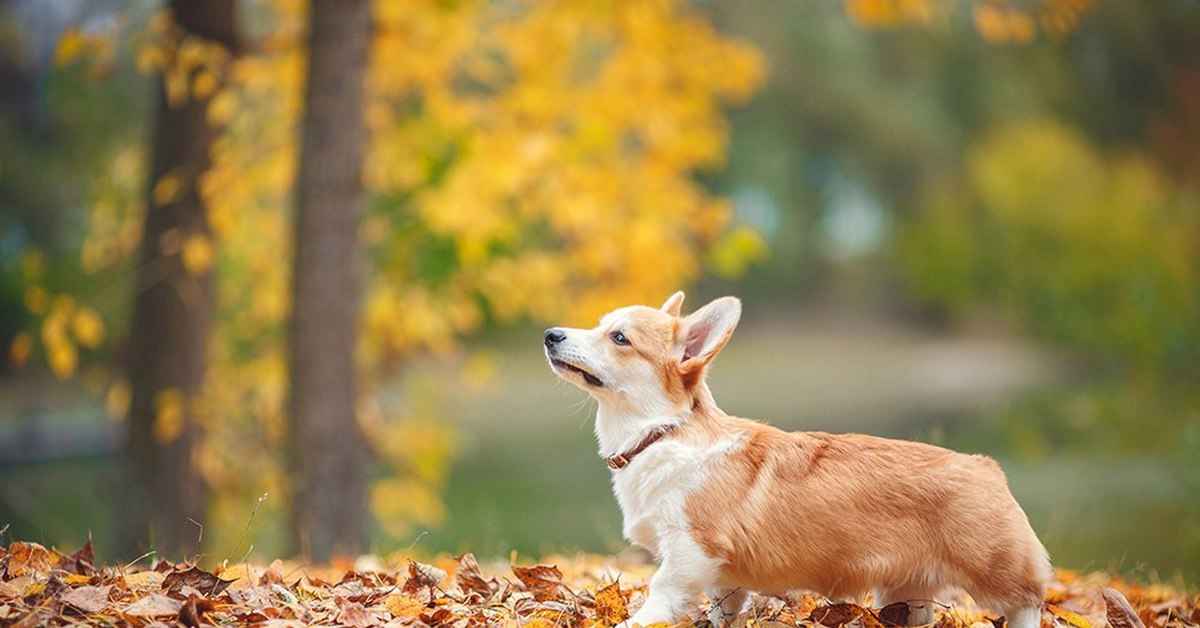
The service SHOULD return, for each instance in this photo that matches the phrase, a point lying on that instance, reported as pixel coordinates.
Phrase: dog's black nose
(554, 336)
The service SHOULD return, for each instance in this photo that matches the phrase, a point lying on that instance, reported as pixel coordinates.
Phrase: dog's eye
(619, 338)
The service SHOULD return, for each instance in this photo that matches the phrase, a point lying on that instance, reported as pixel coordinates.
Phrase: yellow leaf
(87, 327)
(731, 255)
(62, 357)
(29, 558)
(197, 253)
(70, 46)
(116, 402)
(204, 85)
(221, 108)
(610, 605)
(1074, 619)
(150, 58)
(20, 349)
(167, 188)
(168, 415)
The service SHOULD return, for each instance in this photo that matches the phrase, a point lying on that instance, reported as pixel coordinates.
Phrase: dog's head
(644, 359)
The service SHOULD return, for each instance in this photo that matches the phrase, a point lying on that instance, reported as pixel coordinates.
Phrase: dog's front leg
(726, 605)
(684, 573)
(671, 593)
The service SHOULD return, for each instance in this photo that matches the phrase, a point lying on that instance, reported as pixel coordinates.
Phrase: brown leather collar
(622, 460)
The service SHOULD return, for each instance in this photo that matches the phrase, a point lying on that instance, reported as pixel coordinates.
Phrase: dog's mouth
(571, 368)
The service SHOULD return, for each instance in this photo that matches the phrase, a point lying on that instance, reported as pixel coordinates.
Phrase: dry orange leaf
(403, 605)
(29, 558)
(610, 605)
(835, 615)
(543, 581)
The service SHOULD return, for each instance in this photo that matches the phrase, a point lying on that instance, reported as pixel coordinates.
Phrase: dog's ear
(672, 305)
(706, 331)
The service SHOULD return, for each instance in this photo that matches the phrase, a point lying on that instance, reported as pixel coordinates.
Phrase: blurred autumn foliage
(521, 164)
(1028, 166)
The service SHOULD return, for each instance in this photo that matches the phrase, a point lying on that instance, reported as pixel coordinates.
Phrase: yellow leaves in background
(196, 253)
(71, 45)
(167, 189)
(527, 161)
(191, 66)
(998, 24)
(884, 14)
(65, 327)
(416, 446)
(87, 327)
(116, 402)
(98, 48)
(996, 21)
(736, 250)
(399, 503)
(169, 415)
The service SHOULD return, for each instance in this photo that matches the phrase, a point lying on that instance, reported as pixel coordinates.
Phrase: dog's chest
(654, 489)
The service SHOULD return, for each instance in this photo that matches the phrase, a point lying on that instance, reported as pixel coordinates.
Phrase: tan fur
(845, 514)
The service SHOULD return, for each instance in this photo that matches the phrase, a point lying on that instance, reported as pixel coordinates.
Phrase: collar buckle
(622, 460)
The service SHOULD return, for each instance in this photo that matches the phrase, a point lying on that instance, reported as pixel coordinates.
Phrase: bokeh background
(972, 223)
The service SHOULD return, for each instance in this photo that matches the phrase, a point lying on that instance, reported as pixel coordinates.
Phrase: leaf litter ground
(40, 586)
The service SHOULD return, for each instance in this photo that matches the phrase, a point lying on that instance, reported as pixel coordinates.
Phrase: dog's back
(844, 514)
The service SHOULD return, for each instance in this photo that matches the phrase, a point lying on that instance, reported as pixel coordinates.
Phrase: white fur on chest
(653, 490)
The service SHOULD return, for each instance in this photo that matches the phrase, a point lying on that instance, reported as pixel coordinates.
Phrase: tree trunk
(163, 493)
(327, 452)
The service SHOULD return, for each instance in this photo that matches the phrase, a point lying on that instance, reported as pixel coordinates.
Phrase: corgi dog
(730, 505)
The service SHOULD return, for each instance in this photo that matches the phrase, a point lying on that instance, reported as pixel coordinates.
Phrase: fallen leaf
(1072, 618)
(88, 599)
(440, 616)
(470, 580)
(802, 604)
(869, 620)
(895, 614)
(403, 605)
(355, 614)
(1118, 611)
(28, 558)
(154, 605)
(194, 608)
(202, 581)
(273, 574)
(553, 616)
(143, 580)
(835, 615)
(8, 590)
(543, 581)
(610, 605)
(423, 576)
